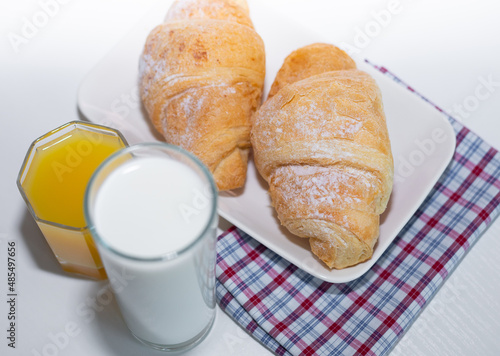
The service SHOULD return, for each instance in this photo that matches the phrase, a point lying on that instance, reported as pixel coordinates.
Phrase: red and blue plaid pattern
(292, 313)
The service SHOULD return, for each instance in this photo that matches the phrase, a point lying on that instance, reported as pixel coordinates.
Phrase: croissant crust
(322, 145)
(201, 79)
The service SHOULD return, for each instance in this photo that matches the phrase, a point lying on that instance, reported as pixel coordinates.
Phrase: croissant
(201, 79)
(321, 143)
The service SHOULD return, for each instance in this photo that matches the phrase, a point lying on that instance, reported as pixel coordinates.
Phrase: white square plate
(422, 139)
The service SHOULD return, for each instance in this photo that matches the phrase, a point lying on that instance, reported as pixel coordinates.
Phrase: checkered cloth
(292, 312)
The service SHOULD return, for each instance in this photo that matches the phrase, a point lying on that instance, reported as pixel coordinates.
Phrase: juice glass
(152, 210)
(52, 181)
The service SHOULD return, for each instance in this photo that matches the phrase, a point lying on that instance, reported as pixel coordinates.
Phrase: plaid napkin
(292, 312)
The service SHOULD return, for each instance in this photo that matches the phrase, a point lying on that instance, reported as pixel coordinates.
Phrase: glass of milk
(152, 211)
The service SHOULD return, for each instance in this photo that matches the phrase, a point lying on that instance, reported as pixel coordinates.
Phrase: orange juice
(53, 180)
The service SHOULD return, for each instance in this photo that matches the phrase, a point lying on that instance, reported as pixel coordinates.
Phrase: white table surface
(445, 50)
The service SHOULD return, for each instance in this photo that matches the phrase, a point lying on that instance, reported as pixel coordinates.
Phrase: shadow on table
(115, 338)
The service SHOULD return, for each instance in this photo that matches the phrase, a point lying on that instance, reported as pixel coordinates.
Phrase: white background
(443, 49)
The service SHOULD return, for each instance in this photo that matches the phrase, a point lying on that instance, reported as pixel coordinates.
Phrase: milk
(155, 222)
(159, 200)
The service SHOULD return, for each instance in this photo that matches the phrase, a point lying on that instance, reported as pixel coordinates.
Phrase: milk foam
(150, 207)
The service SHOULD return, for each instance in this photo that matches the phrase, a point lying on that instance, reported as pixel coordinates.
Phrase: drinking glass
(152, 210)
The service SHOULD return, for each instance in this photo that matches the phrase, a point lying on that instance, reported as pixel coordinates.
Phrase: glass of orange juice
(52, 181)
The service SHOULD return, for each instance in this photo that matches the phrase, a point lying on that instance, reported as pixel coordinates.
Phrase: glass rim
(162, 257)
(28, 155)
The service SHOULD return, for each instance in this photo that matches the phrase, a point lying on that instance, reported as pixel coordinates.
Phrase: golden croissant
(321, 142)
(201, 79)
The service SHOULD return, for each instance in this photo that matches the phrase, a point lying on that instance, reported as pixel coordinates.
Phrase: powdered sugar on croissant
(201, 79)
(322, 144)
